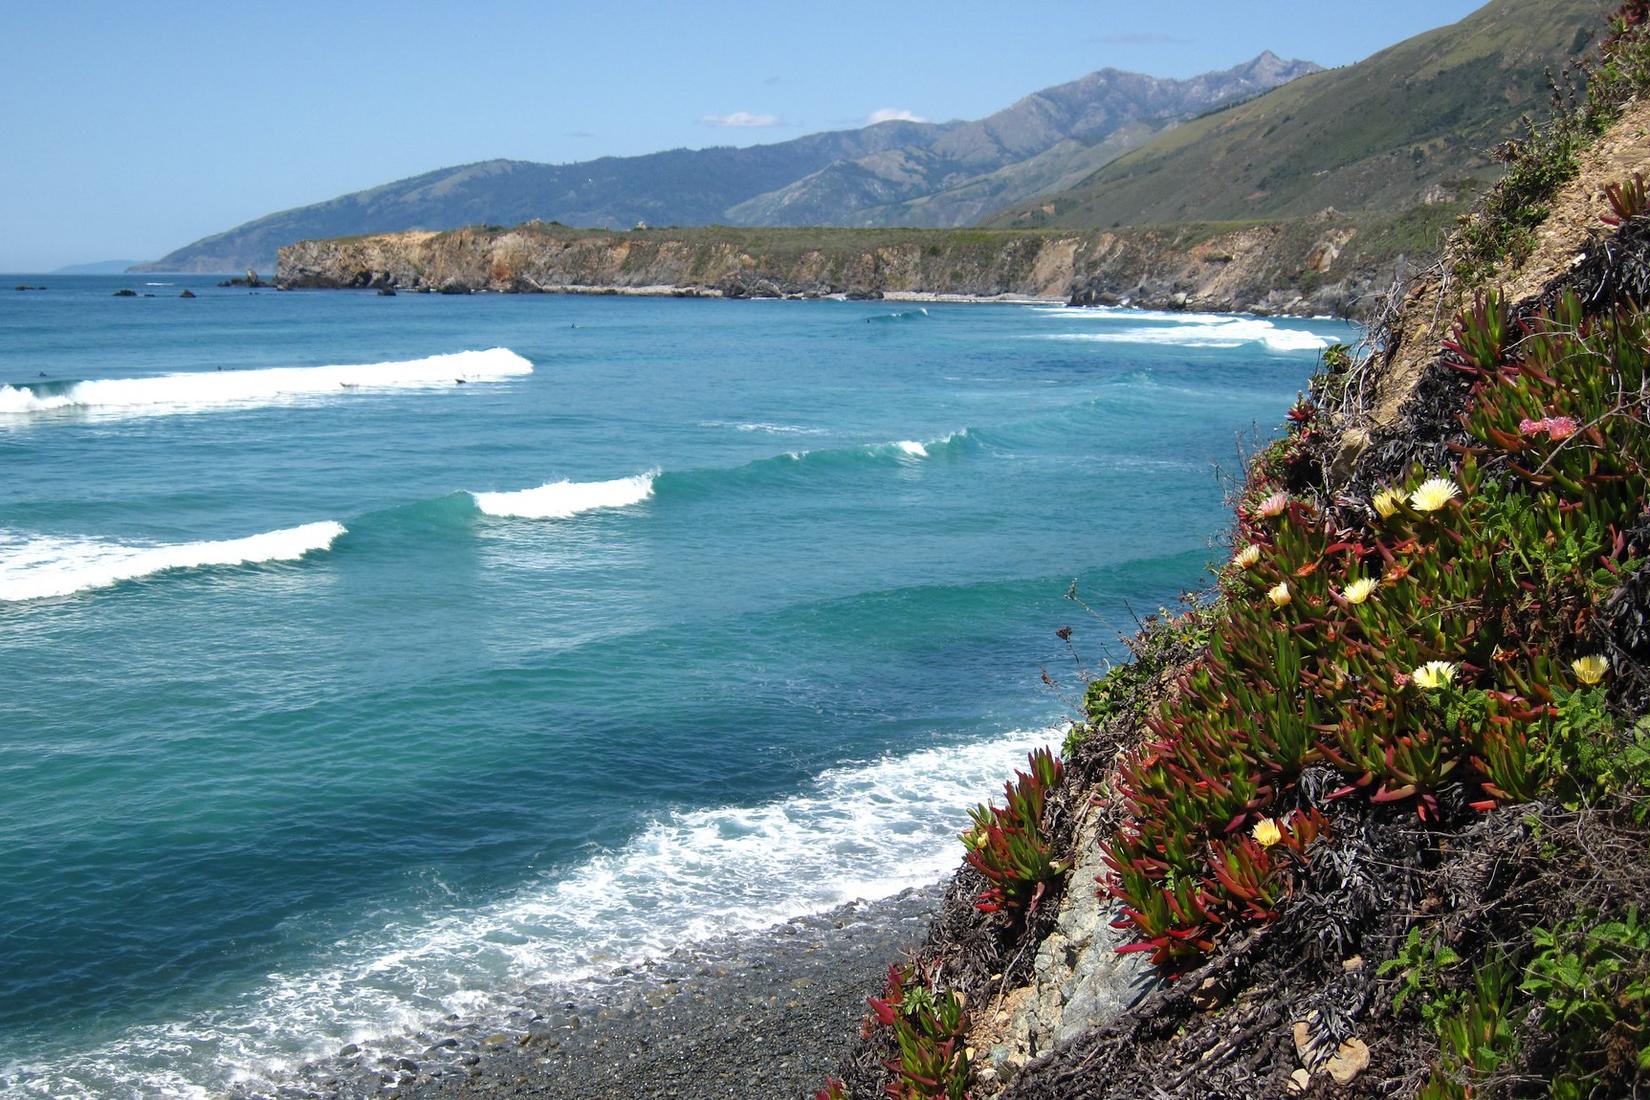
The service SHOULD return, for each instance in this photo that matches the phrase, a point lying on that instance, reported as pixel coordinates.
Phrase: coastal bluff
(1308, 267)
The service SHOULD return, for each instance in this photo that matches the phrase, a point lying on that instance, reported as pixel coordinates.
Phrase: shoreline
(780, 1006)
(920, 297)
(671, 290)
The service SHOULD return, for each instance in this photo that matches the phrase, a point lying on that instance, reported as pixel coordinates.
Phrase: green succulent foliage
(1476, 1036)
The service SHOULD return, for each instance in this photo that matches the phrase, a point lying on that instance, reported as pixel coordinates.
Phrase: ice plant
(1266, 832)
(1434, 675)
(1433, 494)
(1359, 590)
(1247, 558)
(1386, 502)
(930, 1026)
(1009, 844)
(1280, 596)
(1590, 669)
(1273, 506)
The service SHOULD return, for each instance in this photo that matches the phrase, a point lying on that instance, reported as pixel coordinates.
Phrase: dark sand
(757, 1017)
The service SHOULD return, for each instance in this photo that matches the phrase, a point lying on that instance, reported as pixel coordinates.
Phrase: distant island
(100, 267)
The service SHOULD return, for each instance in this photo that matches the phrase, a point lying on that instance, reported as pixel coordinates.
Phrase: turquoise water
(341, 695)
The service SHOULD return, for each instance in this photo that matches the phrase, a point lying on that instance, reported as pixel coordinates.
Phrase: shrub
(1010, 845)
(929, 1027)
(1443, 644)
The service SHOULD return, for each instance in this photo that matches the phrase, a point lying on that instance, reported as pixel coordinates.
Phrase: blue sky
(129, 129)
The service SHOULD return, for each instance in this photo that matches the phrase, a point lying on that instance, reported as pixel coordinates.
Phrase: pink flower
(1560, 427)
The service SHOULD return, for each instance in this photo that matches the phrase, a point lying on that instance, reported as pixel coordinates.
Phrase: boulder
(187, 294)
(453, 285)
(126, 292)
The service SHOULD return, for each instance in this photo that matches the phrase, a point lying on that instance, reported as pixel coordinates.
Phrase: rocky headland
(1310, 267)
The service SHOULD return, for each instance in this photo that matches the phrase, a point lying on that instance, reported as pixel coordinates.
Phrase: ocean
(368, 658)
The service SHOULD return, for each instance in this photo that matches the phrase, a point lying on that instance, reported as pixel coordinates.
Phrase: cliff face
(1306, 267)
(1303, 999)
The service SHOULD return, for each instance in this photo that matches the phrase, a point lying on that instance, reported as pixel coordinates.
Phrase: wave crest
(1205, 331)
(562, 499)
(39, 567)
(200, 391)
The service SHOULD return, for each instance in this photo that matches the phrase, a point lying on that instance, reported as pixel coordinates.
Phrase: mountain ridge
(1430, 110)
(883, 167)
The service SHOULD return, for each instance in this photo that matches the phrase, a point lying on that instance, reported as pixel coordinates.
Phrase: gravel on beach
(761, 1016)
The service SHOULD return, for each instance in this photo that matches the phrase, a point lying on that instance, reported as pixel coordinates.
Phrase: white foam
(864, 831)
(762, 426)
(911, 447)
(562, 499)
(199, 391)
(34, 567)
(1211, 332)
(1124, 314)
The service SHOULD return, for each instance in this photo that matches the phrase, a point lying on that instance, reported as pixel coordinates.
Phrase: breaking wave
(563, 499)
(858, 831)
(1122, 325)
(200, 391)
(34, 567)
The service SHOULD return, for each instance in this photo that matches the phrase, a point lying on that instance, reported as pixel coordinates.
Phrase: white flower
(1590, 669)
(1358, 591)
(1280, 595)
(1386, 502)
(1433, 494)
(1434, 675)
(1247, 558)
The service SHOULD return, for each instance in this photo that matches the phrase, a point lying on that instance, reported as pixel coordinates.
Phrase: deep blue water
(430, 736)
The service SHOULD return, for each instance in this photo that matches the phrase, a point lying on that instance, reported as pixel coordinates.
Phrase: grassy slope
(1426, 111)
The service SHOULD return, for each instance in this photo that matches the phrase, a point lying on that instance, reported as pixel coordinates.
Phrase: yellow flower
(1266, 831)
(1433, 494)
(1434, 675)
(1247, 558)
(1280, 595)
(1590, 669)
(1386, 502)
(1273, 505)
(1358, 591)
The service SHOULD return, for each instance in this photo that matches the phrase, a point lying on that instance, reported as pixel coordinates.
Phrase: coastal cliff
(1313, 266)
(1368, 818)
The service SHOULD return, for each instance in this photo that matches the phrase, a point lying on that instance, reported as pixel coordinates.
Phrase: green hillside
(1411, 124)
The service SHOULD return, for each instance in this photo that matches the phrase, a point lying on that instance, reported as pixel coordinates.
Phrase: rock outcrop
(1306, 267)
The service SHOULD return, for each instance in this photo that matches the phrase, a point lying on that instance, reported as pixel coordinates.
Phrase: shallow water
(348, 685)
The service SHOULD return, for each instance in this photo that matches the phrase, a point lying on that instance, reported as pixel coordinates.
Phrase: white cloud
(741, 118)
(892, 114)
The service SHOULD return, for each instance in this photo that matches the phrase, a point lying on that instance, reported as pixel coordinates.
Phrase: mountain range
(891, 173)
(1414, 123)
(1390, 149)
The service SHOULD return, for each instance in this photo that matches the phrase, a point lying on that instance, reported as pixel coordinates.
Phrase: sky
(130, 129)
